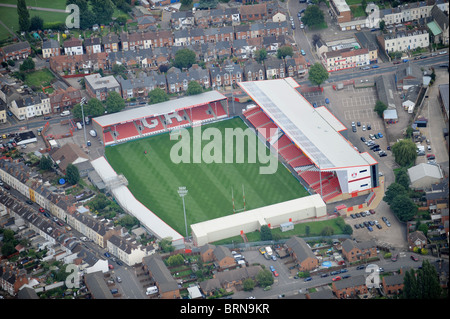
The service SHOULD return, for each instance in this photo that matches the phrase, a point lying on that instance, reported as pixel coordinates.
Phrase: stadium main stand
(157, 118)
(304, 167)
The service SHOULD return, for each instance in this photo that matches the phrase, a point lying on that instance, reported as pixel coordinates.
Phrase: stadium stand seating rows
(294, 156)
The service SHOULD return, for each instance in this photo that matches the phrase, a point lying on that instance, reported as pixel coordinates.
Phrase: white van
(151, 290)
(79, 126)
(65, 113)
(93, 133)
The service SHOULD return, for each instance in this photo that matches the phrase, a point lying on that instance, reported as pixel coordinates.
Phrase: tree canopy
(404, 207)
(380, 107)
(24, 15)
(114, 102)
(404, 152)
(184, 58)
(422, 283)
(194, 88)
(313, 16)
(318, 74)
(72, 174)
(392, 191)
(157, 95)
(285, 51)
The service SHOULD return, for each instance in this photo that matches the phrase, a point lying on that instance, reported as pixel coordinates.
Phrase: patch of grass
(357, 11)
(39, 78)
(154, 180)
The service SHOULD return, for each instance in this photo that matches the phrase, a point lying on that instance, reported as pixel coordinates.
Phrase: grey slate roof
(160, 273)
(300, 248)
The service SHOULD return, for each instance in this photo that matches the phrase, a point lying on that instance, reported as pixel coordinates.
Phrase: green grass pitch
(154, 180)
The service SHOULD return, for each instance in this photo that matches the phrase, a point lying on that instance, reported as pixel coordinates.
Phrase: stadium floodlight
(230, 68)
(182, 191)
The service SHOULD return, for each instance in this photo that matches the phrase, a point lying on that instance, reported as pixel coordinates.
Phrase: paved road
(33, 8)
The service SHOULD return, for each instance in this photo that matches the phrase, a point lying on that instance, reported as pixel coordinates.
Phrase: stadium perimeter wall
(273, 215)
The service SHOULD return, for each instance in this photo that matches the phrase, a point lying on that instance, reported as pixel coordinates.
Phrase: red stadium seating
(282, 142)
(126, 130)
(108, 137)
(266, 131)
(259, 119)
(218, 109)
(300, 161)
(200, 113)
(290, 152)
(175, 122)
(150, 125)
(251, 112)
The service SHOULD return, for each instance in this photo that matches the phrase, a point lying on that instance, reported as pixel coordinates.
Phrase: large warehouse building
(311, 140)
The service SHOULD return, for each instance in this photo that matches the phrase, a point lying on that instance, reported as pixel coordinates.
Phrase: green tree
(36, 23)
(114, 102)
(103, 10)
(249, 284)
(423, 227)
(184, 58)
(72, 174)
(157, 95)
(392, 191)
(307, 230)
(317, 74)
(194, 88)
(45, 163)
(260, 55)
(403, 207)
(327, 231)
(264, 278)
(380, 107)
(24, 15)
(186, 3)
(266, 233)
(175, 260)
(382, 25)
(285, 51)
(422, 284)
(402, 178)
(27, 65)
(313, 16)
(93, 108)
(166, 245)
(405, 153)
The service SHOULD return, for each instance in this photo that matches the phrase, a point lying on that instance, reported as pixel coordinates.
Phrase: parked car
(334, 273)
(357, 226)
(344, 270)
(375, 66)
(361, 267)
(380, 135)
(365, 68)
(308, 279)
(107, 255)
(394, 258)
(323, 275)
(414, 258)
(337, 278)
(302, 52)
(41, 210)
(363, 139)
(369, 127)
